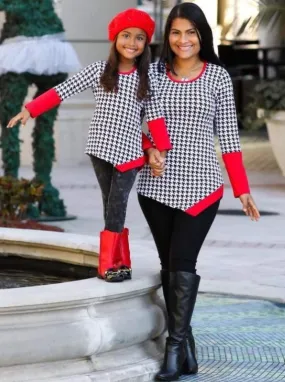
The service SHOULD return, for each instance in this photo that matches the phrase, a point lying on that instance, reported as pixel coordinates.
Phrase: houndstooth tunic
(115, 133)
(193, 180)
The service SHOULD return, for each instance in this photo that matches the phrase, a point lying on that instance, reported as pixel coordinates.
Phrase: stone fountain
(84, 330)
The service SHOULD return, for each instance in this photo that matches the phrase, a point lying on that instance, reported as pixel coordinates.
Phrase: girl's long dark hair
(110, 77)
(193, 13)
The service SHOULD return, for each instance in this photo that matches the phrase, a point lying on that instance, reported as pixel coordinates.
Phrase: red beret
(131, 18)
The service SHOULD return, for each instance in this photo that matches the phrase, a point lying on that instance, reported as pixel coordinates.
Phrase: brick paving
(238, 340)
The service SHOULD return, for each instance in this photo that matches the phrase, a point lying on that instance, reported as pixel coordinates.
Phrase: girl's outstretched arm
(76, 84)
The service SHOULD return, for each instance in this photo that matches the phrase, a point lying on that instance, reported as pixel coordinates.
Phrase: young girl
(124, 92)
(181, 201)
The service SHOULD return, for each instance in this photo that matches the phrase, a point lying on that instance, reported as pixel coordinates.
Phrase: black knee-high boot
(190, 365)
(182, 292)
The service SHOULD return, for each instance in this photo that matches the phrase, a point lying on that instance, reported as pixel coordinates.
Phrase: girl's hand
(157, 172)
(156, 161)
(249, 207)
(21, 117)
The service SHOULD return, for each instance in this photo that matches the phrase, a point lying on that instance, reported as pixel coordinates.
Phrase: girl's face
(183, 39)
(130, 43)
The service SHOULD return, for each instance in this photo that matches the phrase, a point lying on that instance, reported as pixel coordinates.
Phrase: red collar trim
(186, 82)
(130, 71)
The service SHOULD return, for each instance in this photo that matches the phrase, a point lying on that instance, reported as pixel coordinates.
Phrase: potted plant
(267, 105)
(270, 14)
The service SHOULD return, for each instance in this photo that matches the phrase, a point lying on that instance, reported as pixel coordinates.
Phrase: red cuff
(43, 103)
(146, 142)
(159, 134)
(236, 173)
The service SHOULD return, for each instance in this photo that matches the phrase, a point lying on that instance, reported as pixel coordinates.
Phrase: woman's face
(183, 39)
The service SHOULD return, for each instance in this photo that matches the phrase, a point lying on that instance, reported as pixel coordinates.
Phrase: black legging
(178, 236)
(115, 187)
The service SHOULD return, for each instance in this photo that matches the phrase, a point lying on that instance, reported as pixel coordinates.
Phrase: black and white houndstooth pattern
(191, 111)
(115, 129)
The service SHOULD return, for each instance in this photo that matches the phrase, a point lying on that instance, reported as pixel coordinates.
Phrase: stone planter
(79, 331)
(276, 131)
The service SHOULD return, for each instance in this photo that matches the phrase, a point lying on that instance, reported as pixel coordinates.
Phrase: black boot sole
(172, 378)
(111, 277)
(166, 379)
(188, 371)
(114, 280)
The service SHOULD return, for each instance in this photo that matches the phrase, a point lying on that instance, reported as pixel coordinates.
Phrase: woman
(181, 200)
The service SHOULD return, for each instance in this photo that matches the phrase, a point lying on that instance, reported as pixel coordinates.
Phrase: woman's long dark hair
(110, 77)
(193, 13)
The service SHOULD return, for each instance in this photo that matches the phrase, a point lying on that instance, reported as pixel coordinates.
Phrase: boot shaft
(183, 289)
(180, 290)
(109, 247)
(125, 255)
(164, 276)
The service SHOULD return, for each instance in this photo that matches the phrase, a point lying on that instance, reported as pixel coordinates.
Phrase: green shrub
(266, 98)
(16, 196)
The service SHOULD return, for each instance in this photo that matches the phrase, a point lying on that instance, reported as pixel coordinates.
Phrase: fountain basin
(84, 330)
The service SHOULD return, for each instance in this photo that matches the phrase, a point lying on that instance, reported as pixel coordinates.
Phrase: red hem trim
(139, 162)
(206, 202)
(129, 72)
(193, 79)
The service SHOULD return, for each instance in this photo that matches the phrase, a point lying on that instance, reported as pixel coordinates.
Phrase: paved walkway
(238, 340)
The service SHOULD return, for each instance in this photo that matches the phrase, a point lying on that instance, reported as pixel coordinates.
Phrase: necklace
(191, 70)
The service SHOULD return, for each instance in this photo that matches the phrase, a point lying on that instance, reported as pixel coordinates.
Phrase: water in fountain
(16, 272)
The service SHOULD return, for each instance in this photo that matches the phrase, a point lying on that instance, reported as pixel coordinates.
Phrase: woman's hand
(156, 161)
(21, 117)
(249, 207)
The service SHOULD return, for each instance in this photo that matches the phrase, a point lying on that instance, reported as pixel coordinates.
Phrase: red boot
(109, 247)
(125, 266)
